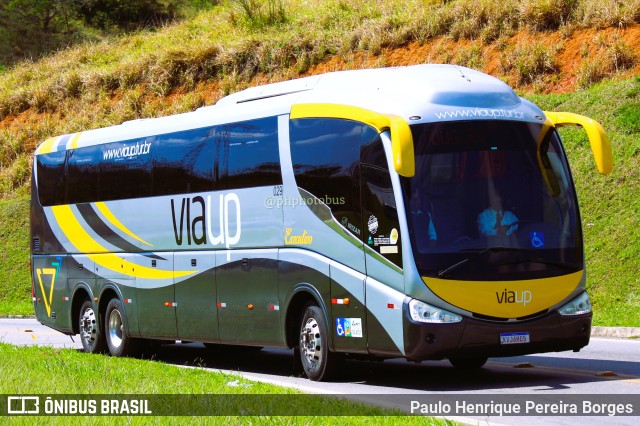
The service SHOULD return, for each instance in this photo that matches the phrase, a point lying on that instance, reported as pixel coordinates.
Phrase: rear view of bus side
(423, 212)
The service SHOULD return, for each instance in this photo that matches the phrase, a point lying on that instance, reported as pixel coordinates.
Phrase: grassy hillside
(582, 54)
(15, 284)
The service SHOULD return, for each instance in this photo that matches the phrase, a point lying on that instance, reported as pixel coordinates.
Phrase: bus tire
(92, 339)
(468, 363)
(318, 361)
(119, 343)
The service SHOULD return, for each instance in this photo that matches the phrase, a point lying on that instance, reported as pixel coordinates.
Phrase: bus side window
(183, 162)
(248, 154)
(51, 178)
(124, 172)
(380, 215)
(325, 153)
(83, 172)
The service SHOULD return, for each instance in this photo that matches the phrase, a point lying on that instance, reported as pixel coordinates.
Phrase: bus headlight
(422, 312)
(578, 306)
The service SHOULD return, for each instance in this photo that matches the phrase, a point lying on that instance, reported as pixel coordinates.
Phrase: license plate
(514, 338)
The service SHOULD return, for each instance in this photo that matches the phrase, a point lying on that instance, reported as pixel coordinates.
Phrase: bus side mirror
(404, 161)
(600, 145)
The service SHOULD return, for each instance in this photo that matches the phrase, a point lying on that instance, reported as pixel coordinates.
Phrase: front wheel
(318, 361)
(119, 343)
(92, 339)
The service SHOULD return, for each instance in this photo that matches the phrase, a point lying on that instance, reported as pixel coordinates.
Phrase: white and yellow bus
(423, 212)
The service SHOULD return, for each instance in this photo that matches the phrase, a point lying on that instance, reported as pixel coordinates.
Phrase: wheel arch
(299, 298)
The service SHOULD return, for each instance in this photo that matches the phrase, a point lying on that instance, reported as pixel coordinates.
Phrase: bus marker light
(274, 307)
(250, 306)
(221, 305)
(170, 304)
(128, 301)
(391, 306)
(65, 298)
(95, 299)
(344, 301)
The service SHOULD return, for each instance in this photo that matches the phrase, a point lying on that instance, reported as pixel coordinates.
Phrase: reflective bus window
(326, 155)
(51, 178)
(248, 154)
(125, 171)
(83, 173)
(184, 162)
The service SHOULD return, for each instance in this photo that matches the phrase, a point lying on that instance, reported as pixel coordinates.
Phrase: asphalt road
(605, 367)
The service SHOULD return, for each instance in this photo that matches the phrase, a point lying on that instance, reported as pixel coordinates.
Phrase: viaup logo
(48, 276)
(524, 297)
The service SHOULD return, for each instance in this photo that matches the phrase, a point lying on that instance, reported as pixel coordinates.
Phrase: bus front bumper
(472, 338)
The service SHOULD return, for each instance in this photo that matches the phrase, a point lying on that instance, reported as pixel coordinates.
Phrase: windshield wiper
(447, 271)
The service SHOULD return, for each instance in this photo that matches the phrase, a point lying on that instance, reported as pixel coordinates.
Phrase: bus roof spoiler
(600, 144)
(401, 137)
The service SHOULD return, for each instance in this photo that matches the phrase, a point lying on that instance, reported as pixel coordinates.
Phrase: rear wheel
(92, 339)
(318, 361)
(468, 363)
(119, 343)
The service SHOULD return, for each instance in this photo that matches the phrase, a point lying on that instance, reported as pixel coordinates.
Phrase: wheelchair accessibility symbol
(343, 327)
(536, 239)
(349, 327)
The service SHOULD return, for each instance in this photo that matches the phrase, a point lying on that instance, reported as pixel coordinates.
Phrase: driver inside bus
(495, 221)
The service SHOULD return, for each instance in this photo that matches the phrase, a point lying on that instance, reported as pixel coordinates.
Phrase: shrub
(529, 61)
(541, 15)
(611, 56)
(262, 13)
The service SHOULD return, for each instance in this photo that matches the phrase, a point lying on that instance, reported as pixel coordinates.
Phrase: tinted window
(491, 200)
(380, 214)
(184, 162)
(373, 154)
(125, 171)
(248, 154)
(51, 183)
(326, 157)
(83, 171)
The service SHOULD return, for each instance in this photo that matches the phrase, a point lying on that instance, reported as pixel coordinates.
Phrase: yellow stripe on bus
(83, 242)
(115, 222)
(74, 141)
(47, 146)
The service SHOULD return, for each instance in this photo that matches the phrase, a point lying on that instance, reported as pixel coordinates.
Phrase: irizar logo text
(508, 296)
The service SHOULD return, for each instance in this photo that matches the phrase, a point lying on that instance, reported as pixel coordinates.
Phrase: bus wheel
(119, 343)
(92, 339)
(317, 360)
(468, 363)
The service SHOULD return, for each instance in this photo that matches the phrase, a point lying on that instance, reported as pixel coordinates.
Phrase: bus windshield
(492, 200)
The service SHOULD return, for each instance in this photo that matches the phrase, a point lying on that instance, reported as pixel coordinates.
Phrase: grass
(63, 371)
(15, 287)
